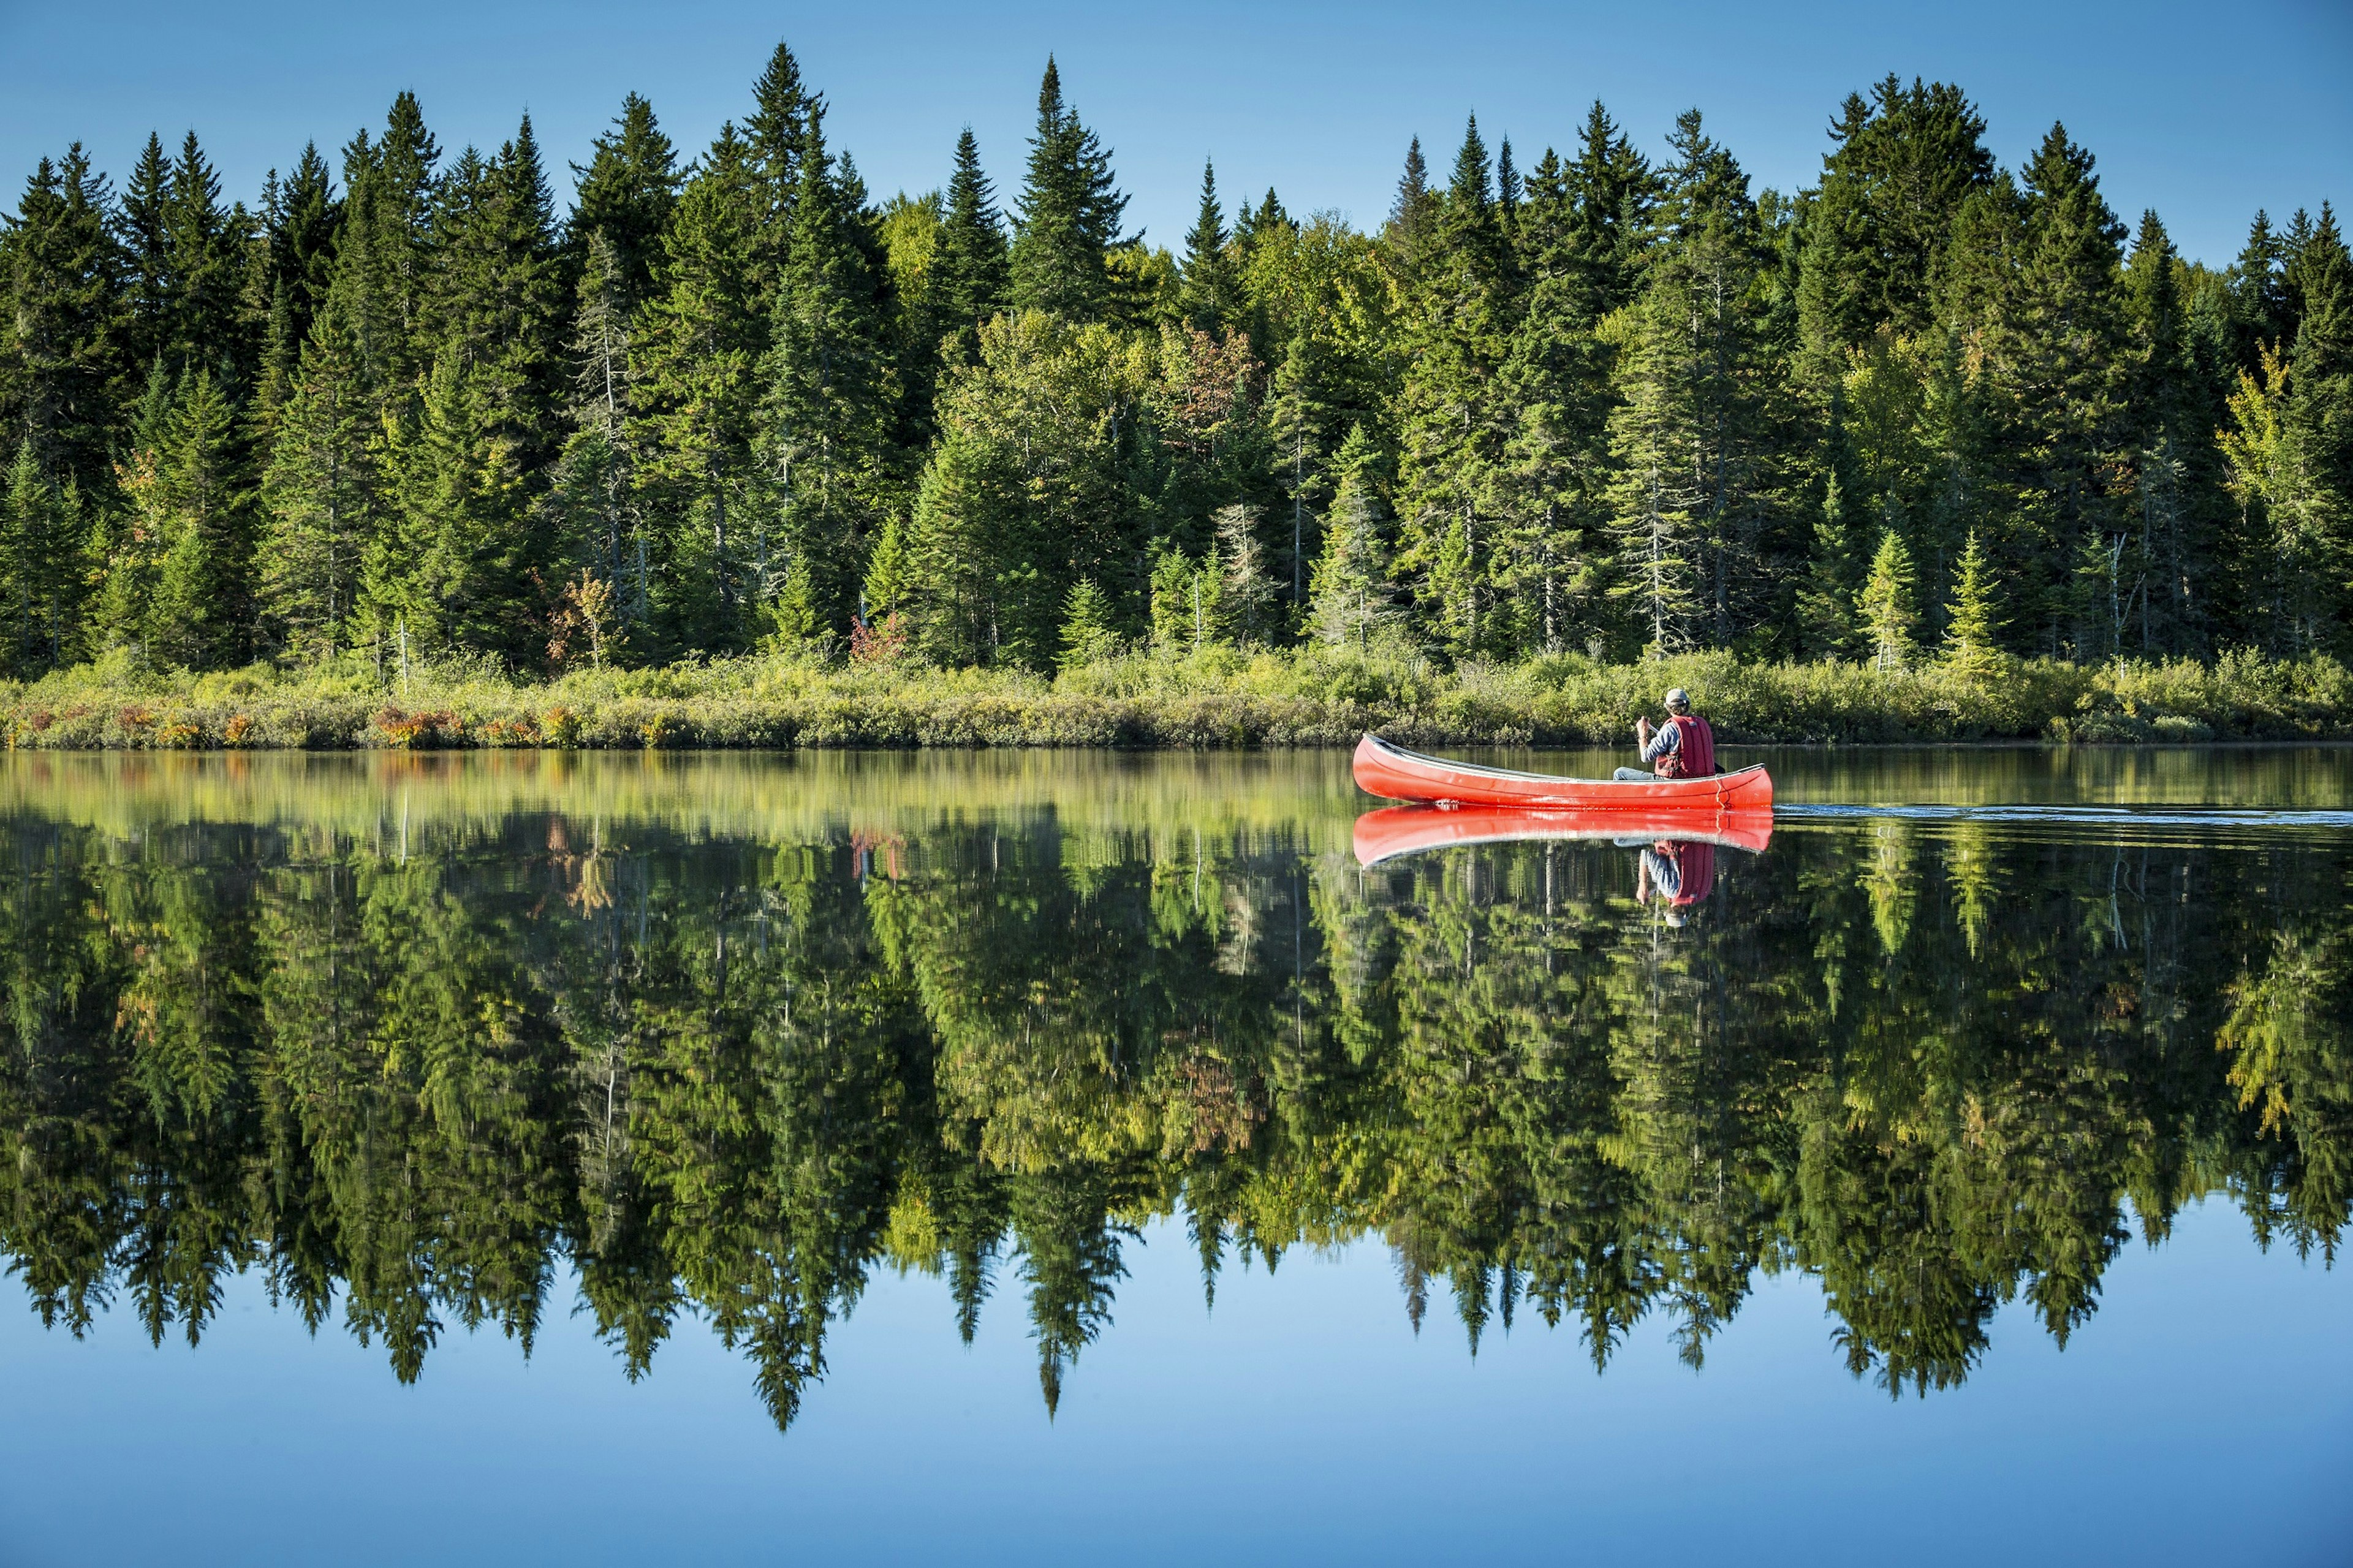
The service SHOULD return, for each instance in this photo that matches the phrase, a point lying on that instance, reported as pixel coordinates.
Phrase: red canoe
(1410, 829)
(1395, 773)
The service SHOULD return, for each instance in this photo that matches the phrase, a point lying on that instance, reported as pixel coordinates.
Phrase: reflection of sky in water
(1301, 1421)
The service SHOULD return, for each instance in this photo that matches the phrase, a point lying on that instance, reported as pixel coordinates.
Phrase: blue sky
(2203, 112)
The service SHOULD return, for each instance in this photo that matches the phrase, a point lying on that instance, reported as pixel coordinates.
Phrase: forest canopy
(1612, 401)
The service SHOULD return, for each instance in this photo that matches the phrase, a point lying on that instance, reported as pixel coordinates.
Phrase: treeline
(416, 1070)
(1608, 403)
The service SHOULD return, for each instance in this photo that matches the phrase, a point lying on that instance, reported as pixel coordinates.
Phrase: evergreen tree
(1209, 293)
(143, 226)
(1887, 609)
(1900, 167)
(694, 367)
(1088, 636)
(627, 193)
(42, 566)
(1069, 215)
(450, 570)
(1826, 599)
(60, 350)
(200, 614)
(1352, 599)
(1413, 217)
(822, 414)
(971, 275)
(1972, 624)
(1455, 414)
(774, 135)
(319, 494)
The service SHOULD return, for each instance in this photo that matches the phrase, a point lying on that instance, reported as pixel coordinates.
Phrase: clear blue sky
(2203, 112)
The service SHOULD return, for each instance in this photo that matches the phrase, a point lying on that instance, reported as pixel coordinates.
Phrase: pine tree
(822, 415)
(1826, 599)
(626, 194)
(201, 614)
(1972, 624)
(319, 494)
(1888, 613)
(1455, 416)
(1088, 636)
(60, 348)
(452, 571)
(1245, 594)
(694, 367)
(1069, 215)
(1210, 295)
(142, 224)
(972, 274)
(1352, 599)
(773, 136)
(1413, 217)
(42, 566)
(593, 487)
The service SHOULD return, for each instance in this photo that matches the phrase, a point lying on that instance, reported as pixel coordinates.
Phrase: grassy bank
(1218, 698)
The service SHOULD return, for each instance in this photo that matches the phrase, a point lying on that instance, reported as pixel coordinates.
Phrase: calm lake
(1051, 1157)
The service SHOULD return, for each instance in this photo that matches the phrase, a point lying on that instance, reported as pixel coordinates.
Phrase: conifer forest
(680, 405)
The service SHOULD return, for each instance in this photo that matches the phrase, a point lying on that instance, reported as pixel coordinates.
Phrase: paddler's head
(1678, 700)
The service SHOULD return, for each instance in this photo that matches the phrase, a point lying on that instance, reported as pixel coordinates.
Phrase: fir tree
(1888, 613)
(972, 272)
(822, 414)
(319, 494)
(451, 570)
(42, 567)
(1455, 415)
(1973, 624)
(60, 351)
(1088, 636)
(626, 194)
(694, 367)
(1352, 599)
(1826, 598)
(201, 615)
(1069, 215)
(1208, 293)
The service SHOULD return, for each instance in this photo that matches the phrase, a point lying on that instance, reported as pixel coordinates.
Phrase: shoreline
(1231, 700)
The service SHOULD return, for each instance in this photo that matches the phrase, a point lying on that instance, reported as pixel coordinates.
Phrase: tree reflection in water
(414, 1069)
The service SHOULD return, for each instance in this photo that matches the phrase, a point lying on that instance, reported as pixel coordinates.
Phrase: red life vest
(1696, 861)
(1694, 753)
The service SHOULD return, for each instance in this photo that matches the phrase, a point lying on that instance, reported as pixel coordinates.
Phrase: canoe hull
(1410, 829)
(1395, 773)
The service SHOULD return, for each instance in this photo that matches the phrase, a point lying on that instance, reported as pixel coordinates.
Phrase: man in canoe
(1681, 748)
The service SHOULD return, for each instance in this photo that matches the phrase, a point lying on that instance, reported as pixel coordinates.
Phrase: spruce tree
(1352, 599)
(450, 570)
(61, 352)
(695, 372)
(593, 487)
(43, 564)
(1413, 217)
(1973, 623)
(1888, 611)
(1826, 598)
(774, 135)
(200, 614)
(972, 273)
(143, 226)
(1209, 294)
(1088, 635)
(1069, 213)
(319, 495)
(627, 193)
(823, 409)
(1455, 410)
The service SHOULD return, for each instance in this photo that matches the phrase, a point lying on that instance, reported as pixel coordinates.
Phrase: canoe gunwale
(1390, 772)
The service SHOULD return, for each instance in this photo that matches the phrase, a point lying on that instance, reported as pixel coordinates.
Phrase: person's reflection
(1677, 873)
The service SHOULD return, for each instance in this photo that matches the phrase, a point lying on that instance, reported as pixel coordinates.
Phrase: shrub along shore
(1220, 698)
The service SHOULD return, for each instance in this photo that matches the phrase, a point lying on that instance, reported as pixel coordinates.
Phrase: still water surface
(1058, 1158)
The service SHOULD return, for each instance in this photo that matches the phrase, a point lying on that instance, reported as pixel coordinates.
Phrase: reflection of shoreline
(1397, 830)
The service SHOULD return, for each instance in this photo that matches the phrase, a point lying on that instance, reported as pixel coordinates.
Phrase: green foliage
(1973, 624)
(1887, 609)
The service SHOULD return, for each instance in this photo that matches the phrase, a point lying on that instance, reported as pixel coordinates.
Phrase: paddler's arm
(1642, 734)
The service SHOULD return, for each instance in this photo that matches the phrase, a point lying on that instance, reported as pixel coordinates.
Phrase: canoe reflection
(1410, 829)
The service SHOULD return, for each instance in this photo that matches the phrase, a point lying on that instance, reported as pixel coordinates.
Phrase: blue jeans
(1632, 776)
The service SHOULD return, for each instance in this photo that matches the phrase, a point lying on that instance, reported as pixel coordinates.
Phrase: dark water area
(1053, 1157)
